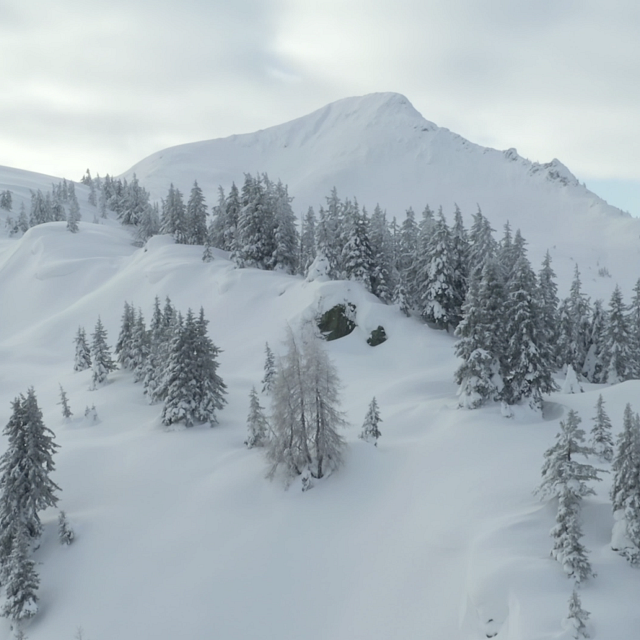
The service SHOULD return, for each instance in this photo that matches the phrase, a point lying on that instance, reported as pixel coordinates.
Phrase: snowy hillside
(379, 149)
(434, 533)
(431, 534)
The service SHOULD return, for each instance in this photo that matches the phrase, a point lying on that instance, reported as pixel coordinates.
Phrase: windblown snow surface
(433, 534)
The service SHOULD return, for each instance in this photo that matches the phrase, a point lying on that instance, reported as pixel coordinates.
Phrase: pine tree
(193, 390)
(548, 301)
(382, 277)
(140, 348)
(101, 362)
(307, 241)
(482, 244)
(25, 484)
(560, 467)
(74, 217)
(528, 360)
(601, 439)
(438, 297)
(481, 344)
(257, 424)
(370, 430)
(83, 354)
(593, 366)
(64, 402)
(634, 332)
(460, 248)
(357, 255)
(196, 216)
(21, 580)
(124, 343)
(269, 370)
(617, 343)
(567, 548)
(174, 217)
(148, 224)
(65, 532)
(626, 463)
(577, 618)
(286, 240)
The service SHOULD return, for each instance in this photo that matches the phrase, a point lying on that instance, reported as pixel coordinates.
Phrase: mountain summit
(379, 149)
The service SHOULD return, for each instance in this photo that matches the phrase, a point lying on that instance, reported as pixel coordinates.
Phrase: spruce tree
(257, 425)
(307, 242)
(83, 353)
(101, 362)
(601, 439)
(192, 389)
(64, 402)
(196, 216)
(617, 343)
(124, 343)
(357, 255)
(481, 344)
(561, 468)
(26, 487)
(577, 618)
(370, 429)
(528, 360)
(567, 548)
(436, 287)
(269, 369)
(65, 533)
(20, 580)
(286, 240)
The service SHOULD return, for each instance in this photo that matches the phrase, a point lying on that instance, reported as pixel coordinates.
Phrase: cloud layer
(103, 85)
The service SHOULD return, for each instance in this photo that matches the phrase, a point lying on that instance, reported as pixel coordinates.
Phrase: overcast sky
(104, 84)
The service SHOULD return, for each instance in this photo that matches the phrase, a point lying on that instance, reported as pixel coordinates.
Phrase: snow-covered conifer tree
(577, 618)
(174, 217)
(20, 580)
(460, 258)
(101, 362)
(196, 216)
(601, 439)
(438, 297)
(193, 390)
(123, 345)
(26, 487)
(307, 241)
(269, 369)
(74, 216)
(528, 361)
(567, 548)
(481, 344)
(382, 277)
(564, 477)
(357, 255)
(370, 429)
(286, 240)
(561, 468)
(64, 402)
(482, 244)
(617, 351)
(65, 532)
(148, 224)
(548, 301)
(140, 347)
(83, 353)
(257, 425)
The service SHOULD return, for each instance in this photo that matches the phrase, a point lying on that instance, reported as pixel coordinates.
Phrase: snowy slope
(179, 535)
(431, 535)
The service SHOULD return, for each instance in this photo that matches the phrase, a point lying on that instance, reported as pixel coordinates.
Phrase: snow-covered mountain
(379, 149)
(434, 533)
